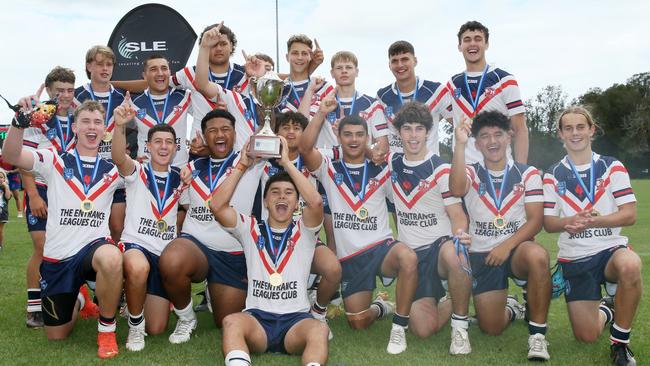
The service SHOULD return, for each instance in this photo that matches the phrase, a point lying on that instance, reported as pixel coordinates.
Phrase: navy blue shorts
(490, 278)
(35, 223)
(429, 282)
(119, 196)
(15, 183)
(359, 271)
(276, 327)
(154, 280)
(225, 268)
(60, 282)
(583, 277)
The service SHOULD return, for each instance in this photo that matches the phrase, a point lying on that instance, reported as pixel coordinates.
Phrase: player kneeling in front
(504, 201)
(588, 198)
(153, 190)
(77, 245)
(278, 253)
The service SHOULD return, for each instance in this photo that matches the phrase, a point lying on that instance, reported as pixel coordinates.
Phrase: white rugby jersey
(499, 92)
(110, 100)
(171, 109)
(430, 93)
(234, 80)
(564, 197)
(353, 234)
(293, 263)
(69, 229)
(54, 134)
(421, 193)
(199, 221)
(142, 211)
(294, 90)
(523, 185)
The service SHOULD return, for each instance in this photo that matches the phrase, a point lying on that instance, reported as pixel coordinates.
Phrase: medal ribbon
(354, 99)
(592, 179)
(81, 171)
(213, 183)
(155, 111)
(284, 260)
(110, 102)
(361, 194)
(214, 80)
(295, 93)
(498, 199)
(415, 92)
(461, 250)
(160, 201)
(474, 101)
(277, 250)
(59, 131)
(253, 111)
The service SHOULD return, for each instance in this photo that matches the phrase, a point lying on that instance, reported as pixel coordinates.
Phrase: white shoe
(183, 331)
(520, 310)
(135, 339)
(459, 342)
(397, 340)
(538, 348)
(388, 307)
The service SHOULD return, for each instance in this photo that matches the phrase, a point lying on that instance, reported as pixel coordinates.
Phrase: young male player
(482, 87)
(409, 87)
(204, 250)
(427, 215)
(504, 202)
(588, 198)
(77, 247)
(357, 190)
(279, 252)
(154, 189)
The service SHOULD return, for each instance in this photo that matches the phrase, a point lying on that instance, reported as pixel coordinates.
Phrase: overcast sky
(576, 44)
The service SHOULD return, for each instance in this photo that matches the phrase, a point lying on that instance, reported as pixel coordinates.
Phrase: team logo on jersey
(393, 177)
(423, 184)
(373, 183)
(107, 178)
(389, 111)
(457, 93)
(331, 117)
(561, 188)
(68, 173)
(51, 134)
(195, 173)
(481, 189)
(338, 178)
(518, 188)
(324, 198)
(315, 98)
(273, 171)
(600, 183)
(260, 242)
(363, 114)
(490, 92)
(141, 113)
(247, 114)
(236, 88)
(177, 109)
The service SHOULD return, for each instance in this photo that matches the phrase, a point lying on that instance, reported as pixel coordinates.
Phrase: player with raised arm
(357, 190)
(77, 244)
(427, 215)
(154, 189)
(588, 198)
(504, 201)
(483, 87)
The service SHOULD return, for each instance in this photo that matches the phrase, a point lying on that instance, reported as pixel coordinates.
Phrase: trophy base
(265, 147)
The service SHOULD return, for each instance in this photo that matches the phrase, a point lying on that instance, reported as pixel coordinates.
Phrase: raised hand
(212, 36)
(253, 66)
(124, 113)
(29, 102)
(328, 104)
(317, 56)
(315, 84)
(463, 131)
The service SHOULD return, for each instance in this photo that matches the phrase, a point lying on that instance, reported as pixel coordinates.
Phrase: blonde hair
(577, 109)
(98, 50)
(90, 106)
(345, 56)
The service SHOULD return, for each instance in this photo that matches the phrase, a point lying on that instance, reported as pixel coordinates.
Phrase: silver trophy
(267, 92)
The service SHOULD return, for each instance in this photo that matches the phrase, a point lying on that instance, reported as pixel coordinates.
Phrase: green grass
(19, 345)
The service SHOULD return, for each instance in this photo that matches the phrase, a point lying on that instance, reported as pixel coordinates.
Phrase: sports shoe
(387, 307)
(106, 345)
(622, 355)
(135, 339)
(90, 309)
(183, 331)
(34, 320)
(20, 214)
(459, 342)
(538, 348)
(397, 340)
(518, 309)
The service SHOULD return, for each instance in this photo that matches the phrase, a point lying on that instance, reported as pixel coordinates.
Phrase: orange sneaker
(107, 345)
(90, 309)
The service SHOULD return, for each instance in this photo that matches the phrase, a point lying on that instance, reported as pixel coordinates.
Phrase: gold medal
(207, 203)
(161, 225)
(362, 213)
(107, 137)
(86, 206)
(275, 279)
(499, 222)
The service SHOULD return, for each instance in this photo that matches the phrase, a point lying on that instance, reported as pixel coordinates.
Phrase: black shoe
(622, 355)
(203, 305)
(34, 320)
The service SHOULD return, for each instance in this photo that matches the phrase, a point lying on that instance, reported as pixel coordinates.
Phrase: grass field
(19, 345)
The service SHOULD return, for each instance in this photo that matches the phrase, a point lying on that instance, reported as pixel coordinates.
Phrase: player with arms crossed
(154, 189)
(504, 201)
(427, 214)
(357, 189)
(588, 198)
(77, 244)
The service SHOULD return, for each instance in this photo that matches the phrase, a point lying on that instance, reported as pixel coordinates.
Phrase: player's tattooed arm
(458, 181)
